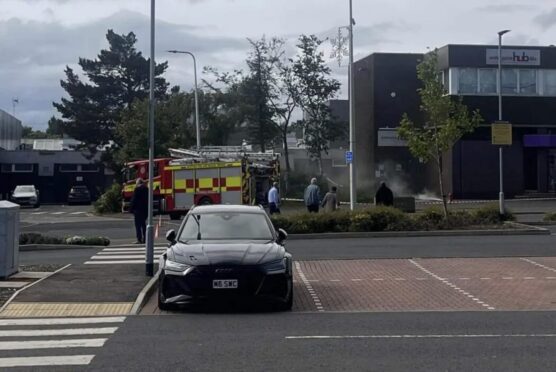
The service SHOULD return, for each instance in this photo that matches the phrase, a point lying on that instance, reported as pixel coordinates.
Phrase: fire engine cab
(213, 175)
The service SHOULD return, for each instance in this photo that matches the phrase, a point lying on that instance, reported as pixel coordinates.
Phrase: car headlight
(276, 267)
(175, 266)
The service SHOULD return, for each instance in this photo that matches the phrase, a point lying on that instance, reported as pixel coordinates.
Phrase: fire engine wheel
(205, 201)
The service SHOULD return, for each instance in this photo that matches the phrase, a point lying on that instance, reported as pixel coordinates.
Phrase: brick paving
(455, 284)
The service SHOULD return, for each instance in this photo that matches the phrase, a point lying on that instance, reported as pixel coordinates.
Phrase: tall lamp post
(197, 126)
(500, 149)
(352, 186)
(149, 251)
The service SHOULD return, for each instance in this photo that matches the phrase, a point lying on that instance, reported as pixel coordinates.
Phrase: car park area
(392, 285)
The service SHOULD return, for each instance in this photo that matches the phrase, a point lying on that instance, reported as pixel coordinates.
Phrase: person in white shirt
(274, 199)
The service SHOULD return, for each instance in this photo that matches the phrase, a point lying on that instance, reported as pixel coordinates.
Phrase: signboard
(501, 133)
(388, 137)
(349, 157)
(514, 57)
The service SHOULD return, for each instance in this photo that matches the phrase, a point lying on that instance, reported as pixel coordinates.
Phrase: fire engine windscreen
(220, 226)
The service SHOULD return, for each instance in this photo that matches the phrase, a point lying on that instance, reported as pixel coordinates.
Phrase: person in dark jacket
(139, 207)
(384, 195)
(311, 197)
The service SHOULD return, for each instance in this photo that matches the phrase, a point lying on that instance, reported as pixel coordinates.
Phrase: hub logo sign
(514, 57)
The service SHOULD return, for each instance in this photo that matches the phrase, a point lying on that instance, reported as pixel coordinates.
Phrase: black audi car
(226, 252)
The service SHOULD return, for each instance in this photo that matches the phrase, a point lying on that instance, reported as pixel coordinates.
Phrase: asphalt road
(503, 341)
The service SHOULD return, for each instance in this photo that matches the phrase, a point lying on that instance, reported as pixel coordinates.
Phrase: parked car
(26, 195)
(79, 195)
(226, 252)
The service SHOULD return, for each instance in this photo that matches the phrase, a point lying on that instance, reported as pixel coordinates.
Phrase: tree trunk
(441, 184)
(319, 161)
(287, 161)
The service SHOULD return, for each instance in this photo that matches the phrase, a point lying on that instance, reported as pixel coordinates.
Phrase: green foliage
(445, 120)
(35, 238)
(110, 201)
(175, 127)
(550, 217)
(388, 219)
(115, 80)
(316, 87)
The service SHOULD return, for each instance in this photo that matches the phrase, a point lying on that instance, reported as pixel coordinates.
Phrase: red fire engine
(213, 175)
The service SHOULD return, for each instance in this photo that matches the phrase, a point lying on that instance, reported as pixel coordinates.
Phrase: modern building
(10, 131)
(386, 87)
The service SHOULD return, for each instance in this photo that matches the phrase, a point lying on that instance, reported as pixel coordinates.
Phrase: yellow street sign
(501, 133)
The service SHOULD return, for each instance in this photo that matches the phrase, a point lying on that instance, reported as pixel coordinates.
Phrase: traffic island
(80, 290)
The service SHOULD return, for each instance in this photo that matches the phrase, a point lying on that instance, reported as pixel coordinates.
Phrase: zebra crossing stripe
(120, 257)
(57, 213)
(39, 213)
(66, 360)
(115, 262)
(60, 321)
(52, 344)
(57, 332)
(135, 248)
(126, 252)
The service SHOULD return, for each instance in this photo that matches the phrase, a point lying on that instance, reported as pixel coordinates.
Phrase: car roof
(25, 186)
(227, 208)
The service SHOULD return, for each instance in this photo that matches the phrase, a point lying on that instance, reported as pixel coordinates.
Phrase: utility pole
(500, 149)
(149, 251)
(352, 185)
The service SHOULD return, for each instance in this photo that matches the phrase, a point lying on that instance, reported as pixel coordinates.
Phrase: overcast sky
(38, 38)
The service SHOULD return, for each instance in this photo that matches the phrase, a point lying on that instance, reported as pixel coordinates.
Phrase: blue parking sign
(349, 157)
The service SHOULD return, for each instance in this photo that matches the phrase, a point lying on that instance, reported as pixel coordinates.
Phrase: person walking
(274, 199)
(312, 197)
(384, 195)
(330, 201)
(139, 207)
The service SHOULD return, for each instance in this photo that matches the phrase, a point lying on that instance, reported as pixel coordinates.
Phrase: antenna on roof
(15, 101)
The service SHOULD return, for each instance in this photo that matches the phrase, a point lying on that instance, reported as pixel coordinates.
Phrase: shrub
(81, 240)
(110, 201)
(378, 219)
(35, 238)
(430, 219)
(550, 217)
(490, 215)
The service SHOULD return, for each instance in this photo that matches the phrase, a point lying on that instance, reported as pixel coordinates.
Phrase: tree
(30, 133)
(316, 88)
(55, 127)
(446, 120)
(116, 79)
(174, 127)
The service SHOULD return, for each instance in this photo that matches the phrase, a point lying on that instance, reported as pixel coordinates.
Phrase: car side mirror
(282, 235)
(171, 236)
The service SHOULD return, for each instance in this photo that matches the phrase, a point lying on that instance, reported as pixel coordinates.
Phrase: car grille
(249, 279)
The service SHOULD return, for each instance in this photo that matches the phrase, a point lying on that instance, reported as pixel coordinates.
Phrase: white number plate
(224, 284)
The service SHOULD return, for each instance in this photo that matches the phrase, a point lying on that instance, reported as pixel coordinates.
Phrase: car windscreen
(224, 226)
(24, 189)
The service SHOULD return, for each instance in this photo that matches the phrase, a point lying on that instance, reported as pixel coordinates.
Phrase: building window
(89, 168)
(6, 168)
(509, 81)
(25, 168)
(487, 80)
(68, 168)
(527, 81)
(467, 80)
(549, 82)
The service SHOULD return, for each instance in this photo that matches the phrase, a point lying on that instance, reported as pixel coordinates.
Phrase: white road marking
(31, 274)
(550, 277)
(463, 278)
(507, 277)
(118, 257)
(356, 280)
(13, 284)
(528, 278)
(314, 280)
(130, 249)
(309, 287)
(52, 344)
(133, 252)
(419, 336)
(335, 280)
(69, 360)
(57, 332)
(58, 321)
(539, 264)
(485, 278)
(445, 281)
(115, 262)
(420, 278)
(57, 213)
(76, 213)
(399, 279)
(39, 213)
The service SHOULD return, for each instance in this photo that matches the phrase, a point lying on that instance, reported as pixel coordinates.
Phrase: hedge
(110, 201)
(35, 238)
(388, 219)
(550, 217)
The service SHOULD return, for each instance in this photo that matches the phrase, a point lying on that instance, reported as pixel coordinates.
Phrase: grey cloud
(505, 8)
(547, 19)
(34, 55)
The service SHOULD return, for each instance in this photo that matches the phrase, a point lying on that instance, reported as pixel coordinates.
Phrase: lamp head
(500, 33)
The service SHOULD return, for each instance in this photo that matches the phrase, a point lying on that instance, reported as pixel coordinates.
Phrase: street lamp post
(352, 186)
(149, 251)
(500, 149)
(197, 126)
